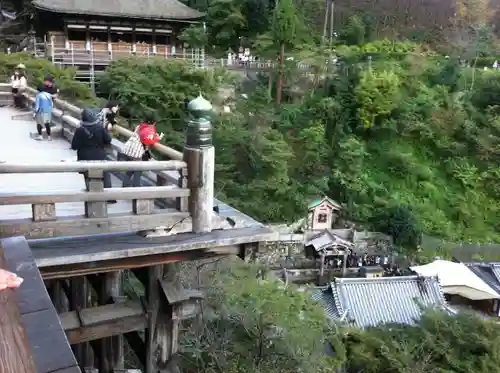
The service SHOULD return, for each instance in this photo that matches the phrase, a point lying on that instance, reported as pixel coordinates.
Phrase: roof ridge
(382, 279)
(336, 297)
(154, 9)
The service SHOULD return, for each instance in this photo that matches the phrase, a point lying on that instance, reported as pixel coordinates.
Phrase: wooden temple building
(104, 278)
(83, 32)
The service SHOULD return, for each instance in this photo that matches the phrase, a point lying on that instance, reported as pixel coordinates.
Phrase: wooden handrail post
(94, 180)
(15, 350)
(199, 155)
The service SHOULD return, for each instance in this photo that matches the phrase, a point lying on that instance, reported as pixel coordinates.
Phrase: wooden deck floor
(48, 342)
(17, 146)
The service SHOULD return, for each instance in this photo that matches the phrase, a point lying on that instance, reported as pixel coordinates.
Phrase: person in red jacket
(137, 148)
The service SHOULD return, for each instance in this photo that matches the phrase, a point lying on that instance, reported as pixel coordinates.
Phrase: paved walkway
(16, 145)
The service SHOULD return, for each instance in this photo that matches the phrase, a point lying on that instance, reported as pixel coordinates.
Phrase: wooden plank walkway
(49, 345)
(17, 146)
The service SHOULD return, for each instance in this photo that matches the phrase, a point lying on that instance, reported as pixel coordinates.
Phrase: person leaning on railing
(137, 148)
(19, 84)
(90, 142)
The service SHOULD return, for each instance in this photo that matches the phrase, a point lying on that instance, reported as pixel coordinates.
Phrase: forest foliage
(409, 129)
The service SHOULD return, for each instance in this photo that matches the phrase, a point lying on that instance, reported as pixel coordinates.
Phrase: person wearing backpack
(90, 141)
(137, 148)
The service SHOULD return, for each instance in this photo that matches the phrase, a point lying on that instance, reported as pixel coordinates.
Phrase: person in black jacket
(90, 141)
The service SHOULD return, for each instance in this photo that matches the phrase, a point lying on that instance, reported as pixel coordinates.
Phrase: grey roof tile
(327, 239)
(325, 297)
(495, 268)
(487, 273)
(150, 9)
(372, 301)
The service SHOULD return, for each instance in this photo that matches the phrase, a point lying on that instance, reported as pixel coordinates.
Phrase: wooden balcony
(102, 53)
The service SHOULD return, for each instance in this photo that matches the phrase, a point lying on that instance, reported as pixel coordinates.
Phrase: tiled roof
(317, 202)
(325, 297)
(368, 302)
(150, 9)
(488, 273)
(495, 268)
(327, 239)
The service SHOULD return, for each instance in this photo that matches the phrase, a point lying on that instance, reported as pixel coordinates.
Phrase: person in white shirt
(19, 84)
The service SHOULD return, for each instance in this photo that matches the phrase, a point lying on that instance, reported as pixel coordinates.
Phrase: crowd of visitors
(357, 260)
(92, 139)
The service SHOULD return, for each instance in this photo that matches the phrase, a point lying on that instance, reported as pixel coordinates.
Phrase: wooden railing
(178, 188)
(97, 220)
(100, 53)
(15, 349)
(32, 338)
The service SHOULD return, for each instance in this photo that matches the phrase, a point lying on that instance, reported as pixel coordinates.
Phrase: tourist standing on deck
(137, 148)
(90, 141)
(43, 113)
(107, 116)
(19, 84)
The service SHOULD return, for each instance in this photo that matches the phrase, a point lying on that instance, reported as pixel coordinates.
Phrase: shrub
(36, 68)
(163, 86)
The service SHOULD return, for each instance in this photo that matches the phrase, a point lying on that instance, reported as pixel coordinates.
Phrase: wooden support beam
(136, 344)
(163, 323)
(154, 304)
(59, 295)
(15, 350)
(112, 346)
(103, 321)
(79, 269)
(248, 251)
(79, 300)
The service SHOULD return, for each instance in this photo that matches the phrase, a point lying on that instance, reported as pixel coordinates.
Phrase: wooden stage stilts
(79, 299)
(111, 348)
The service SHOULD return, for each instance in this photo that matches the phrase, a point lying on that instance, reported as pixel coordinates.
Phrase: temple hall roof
(147, 9)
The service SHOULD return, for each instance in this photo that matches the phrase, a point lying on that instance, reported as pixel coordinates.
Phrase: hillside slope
(422, 133)
(410, 140)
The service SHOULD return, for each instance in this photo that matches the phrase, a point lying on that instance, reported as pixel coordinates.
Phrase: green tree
(438, 343)
(226, 23)
(400, 223)
(284, 27)
(255, 325)
(160, 86)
